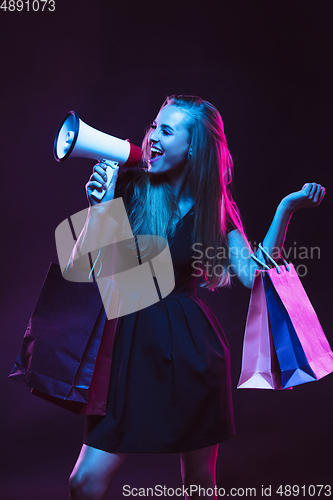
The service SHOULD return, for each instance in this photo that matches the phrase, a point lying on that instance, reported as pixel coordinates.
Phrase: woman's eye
(153, 126)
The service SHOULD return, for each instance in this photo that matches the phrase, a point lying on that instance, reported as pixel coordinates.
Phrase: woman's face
(169, 141)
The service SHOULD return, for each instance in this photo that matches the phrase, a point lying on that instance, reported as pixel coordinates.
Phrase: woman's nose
(153, 137)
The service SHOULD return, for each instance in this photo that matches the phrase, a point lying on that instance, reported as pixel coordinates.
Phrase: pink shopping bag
(260, 367)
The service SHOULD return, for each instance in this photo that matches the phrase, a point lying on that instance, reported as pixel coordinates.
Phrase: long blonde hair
(154, 208)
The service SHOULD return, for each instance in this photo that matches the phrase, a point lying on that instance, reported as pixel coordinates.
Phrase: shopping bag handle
(278, 270)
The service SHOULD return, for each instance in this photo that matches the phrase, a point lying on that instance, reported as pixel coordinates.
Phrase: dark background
(267, 67)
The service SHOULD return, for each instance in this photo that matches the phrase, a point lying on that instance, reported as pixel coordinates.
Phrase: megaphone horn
(75, 138)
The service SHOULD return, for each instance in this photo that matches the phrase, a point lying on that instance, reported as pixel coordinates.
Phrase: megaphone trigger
(109, 171)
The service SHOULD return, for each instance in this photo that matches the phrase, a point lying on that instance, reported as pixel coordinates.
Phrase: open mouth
(155, 154)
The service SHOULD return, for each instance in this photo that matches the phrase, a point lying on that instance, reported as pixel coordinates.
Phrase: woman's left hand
(310, 195)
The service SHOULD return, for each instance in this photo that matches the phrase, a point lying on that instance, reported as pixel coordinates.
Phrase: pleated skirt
(170, 384)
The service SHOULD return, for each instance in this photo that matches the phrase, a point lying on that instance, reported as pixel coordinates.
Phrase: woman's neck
(177, 182)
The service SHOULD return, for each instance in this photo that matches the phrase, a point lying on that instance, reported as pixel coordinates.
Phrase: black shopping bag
(60, 346)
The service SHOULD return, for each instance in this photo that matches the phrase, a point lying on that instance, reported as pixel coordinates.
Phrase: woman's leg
(198, 468)
(93, 473)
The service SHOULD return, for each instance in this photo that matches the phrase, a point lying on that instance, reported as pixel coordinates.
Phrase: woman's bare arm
(241, 262)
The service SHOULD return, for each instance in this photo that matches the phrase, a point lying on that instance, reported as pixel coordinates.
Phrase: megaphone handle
(99, 195)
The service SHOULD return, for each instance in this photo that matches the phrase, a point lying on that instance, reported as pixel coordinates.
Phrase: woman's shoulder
(231, 226)
(130, 174)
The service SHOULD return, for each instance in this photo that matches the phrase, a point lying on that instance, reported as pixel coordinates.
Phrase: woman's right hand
(98, 181)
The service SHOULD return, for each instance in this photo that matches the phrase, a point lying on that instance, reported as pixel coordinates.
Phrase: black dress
(170, 384)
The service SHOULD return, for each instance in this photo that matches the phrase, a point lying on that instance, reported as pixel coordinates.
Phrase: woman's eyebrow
(164, 126)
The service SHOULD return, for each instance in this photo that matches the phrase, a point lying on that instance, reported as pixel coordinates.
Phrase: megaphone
(77, 139)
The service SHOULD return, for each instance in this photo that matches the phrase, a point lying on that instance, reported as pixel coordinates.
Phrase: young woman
(170, 387)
